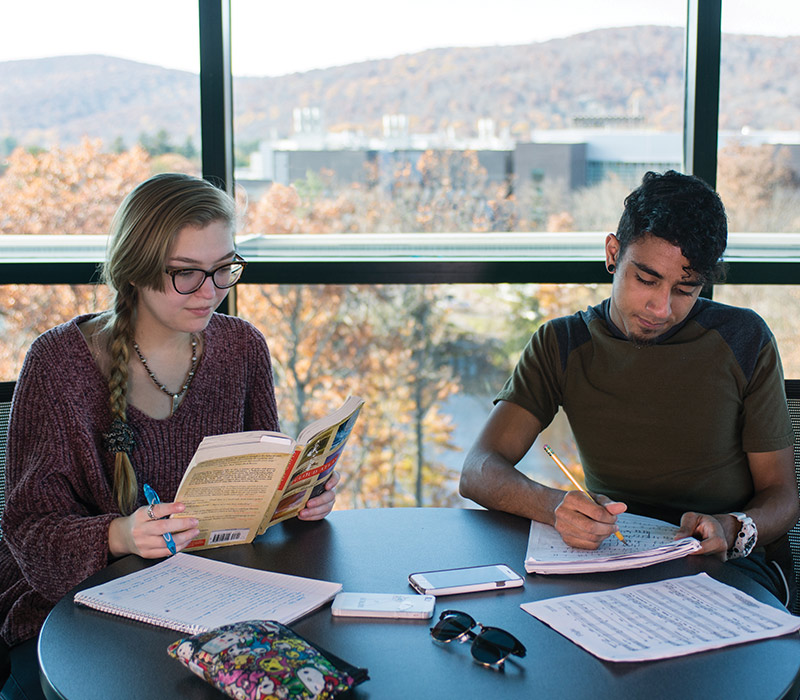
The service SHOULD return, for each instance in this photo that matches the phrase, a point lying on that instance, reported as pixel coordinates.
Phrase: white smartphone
(465, 580)
(383, 605)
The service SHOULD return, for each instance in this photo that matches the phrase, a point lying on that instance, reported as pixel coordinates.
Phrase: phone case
(467, 587)
(387, 605)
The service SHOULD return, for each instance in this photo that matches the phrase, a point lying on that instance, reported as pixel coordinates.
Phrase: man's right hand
(584, 524)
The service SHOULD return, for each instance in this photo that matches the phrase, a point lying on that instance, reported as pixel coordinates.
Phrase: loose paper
(660, 620)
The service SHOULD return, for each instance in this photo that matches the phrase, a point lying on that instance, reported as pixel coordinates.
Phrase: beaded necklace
(176, 397)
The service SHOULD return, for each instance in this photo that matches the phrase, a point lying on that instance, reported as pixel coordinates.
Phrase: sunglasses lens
(492, 645)
(452, 626)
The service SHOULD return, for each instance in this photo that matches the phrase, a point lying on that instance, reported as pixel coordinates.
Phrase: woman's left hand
(319, 506)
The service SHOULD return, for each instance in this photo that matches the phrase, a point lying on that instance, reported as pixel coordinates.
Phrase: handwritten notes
(659, 620)
(647, 541)
(193, 594)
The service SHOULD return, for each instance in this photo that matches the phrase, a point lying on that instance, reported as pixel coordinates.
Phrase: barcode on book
(227, 536)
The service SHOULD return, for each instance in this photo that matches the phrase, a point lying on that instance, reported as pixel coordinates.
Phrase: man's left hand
(710, 530)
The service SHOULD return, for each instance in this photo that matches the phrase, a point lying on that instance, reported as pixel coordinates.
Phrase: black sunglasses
(490, 647)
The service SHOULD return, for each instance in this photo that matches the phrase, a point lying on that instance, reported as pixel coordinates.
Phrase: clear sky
(275, 37)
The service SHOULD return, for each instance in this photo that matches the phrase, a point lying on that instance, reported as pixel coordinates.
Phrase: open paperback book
(647, 541)
(239, 484)
(193, 594)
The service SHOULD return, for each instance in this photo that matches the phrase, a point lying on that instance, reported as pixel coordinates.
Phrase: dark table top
(85, 654)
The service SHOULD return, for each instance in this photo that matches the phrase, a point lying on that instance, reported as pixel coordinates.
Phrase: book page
(351, 405)
(660, 620)
(195, 594)
(647, 541)
(229, 484)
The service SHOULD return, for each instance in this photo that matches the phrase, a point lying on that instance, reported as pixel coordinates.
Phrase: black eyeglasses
(187, 280)
(490, 647)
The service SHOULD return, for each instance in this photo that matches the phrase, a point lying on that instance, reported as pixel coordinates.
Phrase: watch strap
(745, 539)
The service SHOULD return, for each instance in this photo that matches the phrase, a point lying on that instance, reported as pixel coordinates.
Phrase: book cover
(239, 484)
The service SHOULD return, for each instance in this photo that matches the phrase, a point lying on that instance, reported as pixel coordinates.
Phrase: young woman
(108, 402)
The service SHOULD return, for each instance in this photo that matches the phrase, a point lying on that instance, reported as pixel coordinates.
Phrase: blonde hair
(142, 232)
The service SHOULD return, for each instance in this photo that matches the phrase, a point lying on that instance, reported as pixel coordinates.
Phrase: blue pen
(153, 499)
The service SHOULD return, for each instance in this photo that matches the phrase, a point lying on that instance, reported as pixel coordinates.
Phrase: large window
(93, 102)
(448, 134)
(428, 360)
(499, 121)
(415, 197)
(758, 175)
(759, 122)
(775, 304)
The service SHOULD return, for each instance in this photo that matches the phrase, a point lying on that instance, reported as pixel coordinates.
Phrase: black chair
(793, 400)
(6, 392)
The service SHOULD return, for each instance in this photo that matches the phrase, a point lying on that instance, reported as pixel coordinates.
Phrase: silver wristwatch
(746, 538)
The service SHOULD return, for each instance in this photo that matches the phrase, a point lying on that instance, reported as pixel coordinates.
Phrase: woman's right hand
(138, 534)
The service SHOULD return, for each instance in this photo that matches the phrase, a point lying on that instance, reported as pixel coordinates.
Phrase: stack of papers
(647, 541)
(664, 619)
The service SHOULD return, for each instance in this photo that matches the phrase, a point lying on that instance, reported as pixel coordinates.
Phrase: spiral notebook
(193, 594)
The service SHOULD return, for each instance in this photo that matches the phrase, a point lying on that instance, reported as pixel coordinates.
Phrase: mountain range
(631, 71)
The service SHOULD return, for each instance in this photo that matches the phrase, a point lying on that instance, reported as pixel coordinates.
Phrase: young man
(677, 403)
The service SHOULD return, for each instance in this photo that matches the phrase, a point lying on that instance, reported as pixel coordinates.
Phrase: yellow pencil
(580, 488)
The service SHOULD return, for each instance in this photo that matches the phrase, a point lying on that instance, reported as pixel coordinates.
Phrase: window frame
(701, 107)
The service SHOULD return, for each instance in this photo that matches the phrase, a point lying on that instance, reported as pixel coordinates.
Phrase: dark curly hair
(683, 210)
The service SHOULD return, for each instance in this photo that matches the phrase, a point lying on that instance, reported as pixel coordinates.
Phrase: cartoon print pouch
(264, 660)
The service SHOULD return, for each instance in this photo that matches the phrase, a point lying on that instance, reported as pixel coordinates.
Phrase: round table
(85, 654)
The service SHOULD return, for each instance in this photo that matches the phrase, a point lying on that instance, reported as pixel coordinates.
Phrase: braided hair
(142, 232)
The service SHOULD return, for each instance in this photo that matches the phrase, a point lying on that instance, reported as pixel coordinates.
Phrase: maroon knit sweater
(59, 476)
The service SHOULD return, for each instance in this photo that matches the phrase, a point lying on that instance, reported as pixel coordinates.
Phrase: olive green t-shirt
(667, 425)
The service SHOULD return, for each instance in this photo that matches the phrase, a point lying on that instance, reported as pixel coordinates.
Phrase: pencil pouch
(265, 660)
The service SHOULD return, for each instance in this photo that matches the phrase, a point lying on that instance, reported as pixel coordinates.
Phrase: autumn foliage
(326, 341)
(396, 346)
(62, 191)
